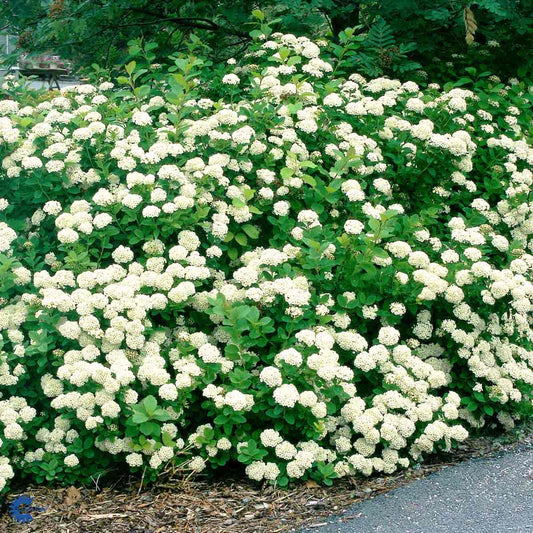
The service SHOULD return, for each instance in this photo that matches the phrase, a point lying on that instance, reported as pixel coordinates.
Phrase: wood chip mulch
(197, 506)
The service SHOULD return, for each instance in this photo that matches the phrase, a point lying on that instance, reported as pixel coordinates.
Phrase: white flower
(132, 200)
(151, 211)
(71, 461)
(134, 459)
(308, 399)
(270, 438)
(239, 401)
(67, 236)
(256, 470)
(13, 431)
(189, 240)
(141, 118)
(333, 100)
(168, 392)
(209, 353)
(308, 125)
(7, 236)
(197, 464)
(122, 254)
(309, 218)
(286, 395)
(290, 356)
(353, 227)
(281, 208)
(388, 336)
(52, 208)
(182, 292)
(271, 376)
(31, 162)
(397, 308)
(243, 135)
(231, 79)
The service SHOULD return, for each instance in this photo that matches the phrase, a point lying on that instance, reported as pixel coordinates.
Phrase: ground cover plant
(273, 263)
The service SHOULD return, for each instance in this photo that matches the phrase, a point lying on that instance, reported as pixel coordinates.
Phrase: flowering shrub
(312, 276)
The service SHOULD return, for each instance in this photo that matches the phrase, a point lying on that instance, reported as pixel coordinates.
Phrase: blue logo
(20, 509)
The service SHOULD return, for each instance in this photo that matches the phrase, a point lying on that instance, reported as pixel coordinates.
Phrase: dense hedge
(309, 275)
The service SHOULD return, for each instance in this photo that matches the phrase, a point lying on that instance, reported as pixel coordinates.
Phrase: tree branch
(188, 22)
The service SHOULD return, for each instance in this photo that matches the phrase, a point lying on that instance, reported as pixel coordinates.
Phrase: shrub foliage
(268, 264)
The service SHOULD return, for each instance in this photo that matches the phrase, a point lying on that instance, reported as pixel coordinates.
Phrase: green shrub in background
(268, 263)
(395, 36)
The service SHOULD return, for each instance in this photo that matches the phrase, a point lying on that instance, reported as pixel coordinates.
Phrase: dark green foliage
(398, 37)
(377, 53)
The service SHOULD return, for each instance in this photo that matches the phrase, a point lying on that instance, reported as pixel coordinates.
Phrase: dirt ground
(229, 505)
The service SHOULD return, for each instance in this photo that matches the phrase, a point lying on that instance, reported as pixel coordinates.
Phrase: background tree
(395, 36)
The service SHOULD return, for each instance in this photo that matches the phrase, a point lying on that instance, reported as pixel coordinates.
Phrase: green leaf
(130, 67)
(142, 91)
(241, 239)
(251, 231)
(306, 178)
(258, 14)
(241, 312)
(284, 53)
(256, 34)
(237, 202)
(488, 410)
(286, 172)
(167, 439)
(249, 193)
(139, 418)
(479, 396)
(220, 420)
(462, 81)
(150, 429)
(380, 253)
(380, 36)
(374, 224)
(150, 404)
(283, 481)
(161, 415)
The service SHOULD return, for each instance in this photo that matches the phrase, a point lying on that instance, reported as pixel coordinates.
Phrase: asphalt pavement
(492, 494)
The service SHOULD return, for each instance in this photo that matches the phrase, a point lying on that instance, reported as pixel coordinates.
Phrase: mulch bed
(230, 505)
